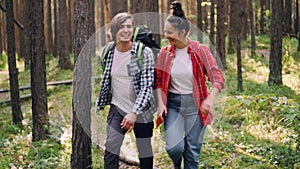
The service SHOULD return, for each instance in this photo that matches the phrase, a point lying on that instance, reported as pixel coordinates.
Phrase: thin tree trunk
(81, 103)
(212, 25)
(252, 28)
(63, 47)
(1, 49)
(262, 16)
(40, 116)
(199, 21)
(49, 28)
(287, 29)
(26, 32)
(102, 24)
(275, 76)
(221, 31)
(238, 45)
(17, 116)
(56, 21)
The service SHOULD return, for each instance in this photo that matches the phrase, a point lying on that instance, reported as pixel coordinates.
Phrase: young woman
(183, 99)
(127, 88)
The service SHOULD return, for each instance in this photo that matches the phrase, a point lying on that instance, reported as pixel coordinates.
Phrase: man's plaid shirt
(143, 82)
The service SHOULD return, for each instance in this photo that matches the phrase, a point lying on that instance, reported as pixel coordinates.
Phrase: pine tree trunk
(1, 48)
(117, 6)
(81, 101)
(275, 76)
(63, 38)
(238, 44)
(252, 28)
(287, 26)
(212, 25)
(17, 116)
(26, 33)
(262, 16)
(221, 31)
(40, 116)
(199, 21)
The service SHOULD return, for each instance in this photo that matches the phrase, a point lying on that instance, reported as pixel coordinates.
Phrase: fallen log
(66, 82)
(22, 99)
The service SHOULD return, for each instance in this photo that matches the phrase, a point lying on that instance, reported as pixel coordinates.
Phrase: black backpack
(141, 34)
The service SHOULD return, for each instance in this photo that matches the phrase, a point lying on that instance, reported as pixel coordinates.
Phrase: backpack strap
(139, 57)
(104, 55)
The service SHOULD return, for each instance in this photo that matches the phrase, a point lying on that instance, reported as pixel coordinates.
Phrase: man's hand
(128, 121)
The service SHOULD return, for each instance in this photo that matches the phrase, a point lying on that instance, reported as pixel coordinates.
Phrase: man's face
(125, 32)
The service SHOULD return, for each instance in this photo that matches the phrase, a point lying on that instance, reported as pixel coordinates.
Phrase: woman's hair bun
(176, 9)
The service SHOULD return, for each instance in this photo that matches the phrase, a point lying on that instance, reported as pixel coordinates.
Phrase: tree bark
(17, 116)
(232, 26)
(221, 31)
(275, 76)
(287, 26)
(63, 37)
(199, 21)
(252, 28)
(27, 40)
(117, 6)
(40, 116)
(212, 25)
(262, 16)
(238, 45)
(81, 100)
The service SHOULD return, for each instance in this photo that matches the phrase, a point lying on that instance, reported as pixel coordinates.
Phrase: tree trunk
(199, 21)
(152, 6)
(63, 37)
(48, 29)
(81, 102)
(17, 116)
(212, 25)
(21, 31)
(205, 17)
(287, 26)
(238, 44)
(26, 32)
(243, 19)
(71, 25)
(40, 116)
(275, 76)
(56, 21)
(296, 22)
(221, 31)
(2, 14)
(1, 49)
(252, 28)
(117, 6)
(262, 16)
(102, 24)
(232, 26)
(139, 6)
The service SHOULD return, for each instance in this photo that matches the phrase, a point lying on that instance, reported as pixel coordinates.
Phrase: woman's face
(173, 35)
(125, 32)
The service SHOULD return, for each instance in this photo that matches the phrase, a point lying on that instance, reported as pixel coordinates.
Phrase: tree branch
(15, 21)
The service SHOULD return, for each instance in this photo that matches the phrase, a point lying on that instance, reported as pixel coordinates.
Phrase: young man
(127, 88)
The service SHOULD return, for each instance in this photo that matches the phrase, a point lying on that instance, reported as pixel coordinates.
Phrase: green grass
(257, 128)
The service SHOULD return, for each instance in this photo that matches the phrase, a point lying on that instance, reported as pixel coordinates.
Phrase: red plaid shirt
(204, 64)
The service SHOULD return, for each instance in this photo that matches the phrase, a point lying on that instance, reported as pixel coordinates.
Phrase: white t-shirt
(123, 95)
(181, 73)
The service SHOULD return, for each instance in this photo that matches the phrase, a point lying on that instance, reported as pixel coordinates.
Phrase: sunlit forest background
(43, 99)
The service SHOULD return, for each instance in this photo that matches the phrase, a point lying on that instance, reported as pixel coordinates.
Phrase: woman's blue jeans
(183, 131)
